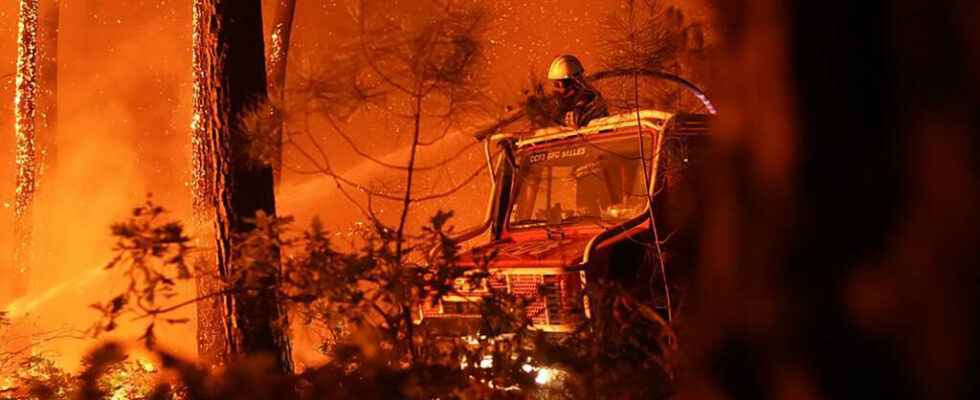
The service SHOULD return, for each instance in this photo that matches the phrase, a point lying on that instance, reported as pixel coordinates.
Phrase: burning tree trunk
(212, 343)
(229, 65)
(25, 108)
(48, 78)
(282, 27)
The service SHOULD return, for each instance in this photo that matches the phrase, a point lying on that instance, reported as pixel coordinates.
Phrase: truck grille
(554, 300)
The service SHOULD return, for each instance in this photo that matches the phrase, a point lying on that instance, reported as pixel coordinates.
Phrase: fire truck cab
(570, 206)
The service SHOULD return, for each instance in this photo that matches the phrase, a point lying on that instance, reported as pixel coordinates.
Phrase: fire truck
(569, 206)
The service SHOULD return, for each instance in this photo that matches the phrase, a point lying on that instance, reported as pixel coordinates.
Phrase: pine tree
(229, 63)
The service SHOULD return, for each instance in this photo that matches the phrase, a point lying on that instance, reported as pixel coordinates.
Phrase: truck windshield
(598, 181)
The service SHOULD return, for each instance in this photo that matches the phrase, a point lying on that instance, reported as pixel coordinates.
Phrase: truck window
(598, 181)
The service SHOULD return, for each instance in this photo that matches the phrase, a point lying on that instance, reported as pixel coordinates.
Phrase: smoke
(124, 131)
(122, 135)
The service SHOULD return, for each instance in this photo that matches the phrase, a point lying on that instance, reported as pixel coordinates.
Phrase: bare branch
(354, 147)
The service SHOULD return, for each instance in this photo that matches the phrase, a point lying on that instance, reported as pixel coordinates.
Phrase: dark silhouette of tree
(356, 300)
(229, 62)
(420, 70)
(842, 258)
(652, 35)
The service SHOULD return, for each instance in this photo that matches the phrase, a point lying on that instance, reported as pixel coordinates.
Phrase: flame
(147, 365)
(6, 384)
(26, 152)
(124, 118)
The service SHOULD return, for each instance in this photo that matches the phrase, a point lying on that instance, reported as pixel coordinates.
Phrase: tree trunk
(48, 82)
(25, 109)
(212, 329)
(841, 261)
(279, 39)
(231, 83)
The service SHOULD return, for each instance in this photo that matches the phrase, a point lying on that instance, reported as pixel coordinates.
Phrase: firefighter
(577, 101)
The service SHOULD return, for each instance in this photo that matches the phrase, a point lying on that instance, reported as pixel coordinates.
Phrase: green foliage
(154, 257)
(365, 305)
(106, 373)
(38, 377)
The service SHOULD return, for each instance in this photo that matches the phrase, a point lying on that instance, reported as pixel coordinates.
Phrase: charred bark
(212, 336)
(231, 84)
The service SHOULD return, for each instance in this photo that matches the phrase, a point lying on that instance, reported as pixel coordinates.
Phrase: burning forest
(620, 199)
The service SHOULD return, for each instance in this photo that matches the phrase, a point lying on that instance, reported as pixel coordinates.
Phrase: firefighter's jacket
(584, 105)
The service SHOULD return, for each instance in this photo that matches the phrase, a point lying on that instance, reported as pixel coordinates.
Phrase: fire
(120, 126)
(6, 384)
(147, 365)
(26, 152)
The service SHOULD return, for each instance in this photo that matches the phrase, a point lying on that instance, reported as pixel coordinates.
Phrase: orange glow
(125, 109)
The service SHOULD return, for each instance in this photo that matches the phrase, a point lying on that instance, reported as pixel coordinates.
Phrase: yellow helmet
(565, 67)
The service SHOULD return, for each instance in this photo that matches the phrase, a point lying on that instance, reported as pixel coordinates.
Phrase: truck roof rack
(684, 124)
(690, 124)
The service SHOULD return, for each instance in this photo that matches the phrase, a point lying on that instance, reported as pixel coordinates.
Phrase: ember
(488, 199)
